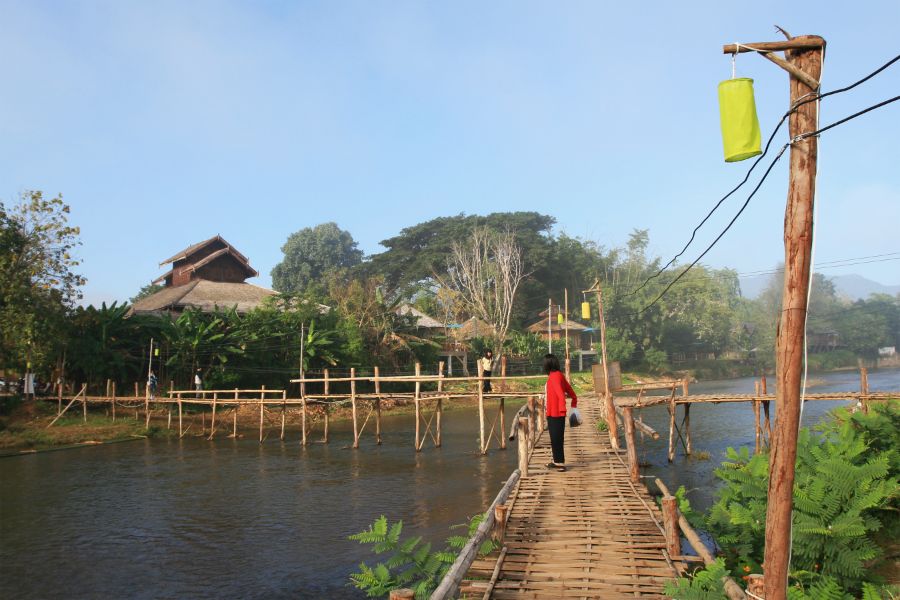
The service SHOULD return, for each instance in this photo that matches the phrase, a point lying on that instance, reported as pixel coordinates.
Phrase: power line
(765, 175)
(812, 98)
(724, 231)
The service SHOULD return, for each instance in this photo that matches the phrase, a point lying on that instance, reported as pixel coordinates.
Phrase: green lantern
(740, 126)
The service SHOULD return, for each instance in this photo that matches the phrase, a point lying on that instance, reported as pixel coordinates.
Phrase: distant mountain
(851, 286)
(856, 287)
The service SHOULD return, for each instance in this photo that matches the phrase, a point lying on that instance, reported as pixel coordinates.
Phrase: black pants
(487, 381)
(557, 428)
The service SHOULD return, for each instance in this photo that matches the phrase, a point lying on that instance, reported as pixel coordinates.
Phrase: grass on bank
(23, 427)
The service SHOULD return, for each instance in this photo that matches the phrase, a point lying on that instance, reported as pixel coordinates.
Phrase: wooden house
(209, 275)
(549, 327)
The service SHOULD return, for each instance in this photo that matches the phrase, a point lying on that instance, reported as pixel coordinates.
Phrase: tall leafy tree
(38, 282)
(310, 254)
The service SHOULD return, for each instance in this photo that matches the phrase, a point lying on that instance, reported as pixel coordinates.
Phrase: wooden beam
(808, 42)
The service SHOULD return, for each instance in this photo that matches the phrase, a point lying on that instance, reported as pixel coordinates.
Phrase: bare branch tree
(486, 271)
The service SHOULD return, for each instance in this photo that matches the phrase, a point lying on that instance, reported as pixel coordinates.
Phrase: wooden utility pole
(803, 60)
(612, 428)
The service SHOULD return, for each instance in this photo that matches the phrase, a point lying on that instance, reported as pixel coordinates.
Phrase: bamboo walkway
(584, 533)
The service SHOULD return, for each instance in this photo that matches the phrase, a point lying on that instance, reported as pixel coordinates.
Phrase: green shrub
(845, 491)
(412, 564)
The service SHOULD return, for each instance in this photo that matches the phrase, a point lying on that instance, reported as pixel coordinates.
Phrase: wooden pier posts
(686, 422)
(482, 444)
(212, 422)
(326, 414)
(377, 408)
(303, 421)
(501, 511)
(353, 404)
(631, 449)
(262, 408)
(670, 524)
(180, 422)
(234, 415)
(417, 400)
(113, 403)
(756, 426)
(283, 411)
(672, 406)
(864, 388)
(522, 437)
(440, 404)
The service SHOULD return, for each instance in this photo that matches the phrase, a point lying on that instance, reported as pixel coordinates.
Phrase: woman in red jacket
(556, 391)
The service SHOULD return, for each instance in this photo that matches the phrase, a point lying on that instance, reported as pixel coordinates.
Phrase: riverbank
(23, 429)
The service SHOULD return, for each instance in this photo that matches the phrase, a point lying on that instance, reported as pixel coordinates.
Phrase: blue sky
(165, 123)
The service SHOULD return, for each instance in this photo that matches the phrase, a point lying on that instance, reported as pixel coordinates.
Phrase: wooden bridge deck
(584, 533)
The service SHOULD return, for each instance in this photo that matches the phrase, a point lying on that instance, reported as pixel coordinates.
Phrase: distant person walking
(152, 382)
(556, 390)
(198, 382)
(486, 365)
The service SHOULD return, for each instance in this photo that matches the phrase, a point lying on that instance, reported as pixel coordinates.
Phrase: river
(239, 519)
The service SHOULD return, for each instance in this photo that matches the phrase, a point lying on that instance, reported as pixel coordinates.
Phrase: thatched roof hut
(209, 276)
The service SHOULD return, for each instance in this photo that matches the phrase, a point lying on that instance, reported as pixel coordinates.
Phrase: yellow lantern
(559, 318)
(737, 115)
(586, 311)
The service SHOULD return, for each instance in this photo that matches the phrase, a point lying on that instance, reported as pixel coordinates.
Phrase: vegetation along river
(236, 519)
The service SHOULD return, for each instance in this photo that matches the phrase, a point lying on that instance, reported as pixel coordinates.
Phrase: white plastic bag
(575, 418)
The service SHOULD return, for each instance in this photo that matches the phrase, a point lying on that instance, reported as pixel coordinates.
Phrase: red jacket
(557, 389)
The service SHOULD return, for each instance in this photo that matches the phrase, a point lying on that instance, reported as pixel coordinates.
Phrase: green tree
(37, 279)
(311, 253)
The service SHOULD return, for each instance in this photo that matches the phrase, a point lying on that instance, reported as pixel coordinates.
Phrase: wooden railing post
(500, 513)
(180, 421)
(631, 449)
(235, 415)
(757, 431)
(212, 424)
(402, 594)
(262, 408)
(84, 401)
(482, 447)
(522, 438)
(377, 408)
(687, 417)
(112, 401)
(353, 404)
(440, 405)
(670, 524)
(418, 403)
(283, 411)
(671, 453)
(864, 388)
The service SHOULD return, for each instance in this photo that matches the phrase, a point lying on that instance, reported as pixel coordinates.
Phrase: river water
(239, 519)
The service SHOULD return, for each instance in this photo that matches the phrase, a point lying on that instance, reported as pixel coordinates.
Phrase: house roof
(422, 320)
(474, 327)
(541, 326)
(205, 295)
(192, 249)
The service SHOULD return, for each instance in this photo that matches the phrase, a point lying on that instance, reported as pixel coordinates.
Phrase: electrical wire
(813, 97)
(765, 175)
(724, 231)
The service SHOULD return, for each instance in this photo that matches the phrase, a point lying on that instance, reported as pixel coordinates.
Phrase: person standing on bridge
(486, 366)
(555, 393)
